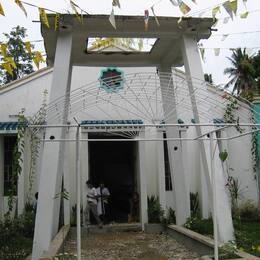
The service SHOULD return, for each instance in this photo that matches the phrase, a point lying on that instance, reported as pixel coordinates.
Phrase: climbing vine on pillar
(33, 135)
(229, 114)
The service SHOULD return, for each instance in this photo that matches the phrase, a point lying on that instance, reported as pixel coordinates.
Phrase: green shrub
(194, 204)
(202, 226)
(249, 211)
(16, 235)
(155, 211)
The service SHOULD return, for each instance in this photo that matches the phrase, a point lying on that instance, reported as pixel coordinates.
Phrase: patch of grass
(247, 233)
(202, 226)
(248, 236)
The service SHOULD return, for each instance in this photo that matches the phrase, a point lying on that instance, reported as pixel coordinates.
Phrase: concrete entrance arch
(176, 45)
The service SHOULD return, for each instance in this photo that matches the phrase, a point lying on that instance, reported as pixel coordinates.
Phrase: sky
(241, 32)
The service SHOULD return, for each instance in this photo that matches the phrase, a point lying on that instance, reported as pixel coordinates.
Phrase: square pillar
(180, 192)
(84, 168)
(142, 181)
(47, 216)
(161, 170)
(1, 176)
(195, 77)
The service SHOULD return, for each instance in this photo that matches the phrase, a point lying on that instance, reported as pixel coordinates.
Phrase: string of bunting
(8, 63)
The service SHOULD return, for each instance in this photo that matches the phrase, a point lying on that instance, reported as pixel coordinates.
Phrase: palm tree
(241, 73)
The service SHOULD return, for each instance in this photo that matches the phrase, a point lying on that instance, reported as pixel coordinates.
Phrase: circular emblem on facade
(111, 80)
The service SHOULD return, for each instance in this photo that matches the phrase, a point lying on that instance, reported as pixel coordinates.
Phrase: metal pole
(215, 224)
(78, 197)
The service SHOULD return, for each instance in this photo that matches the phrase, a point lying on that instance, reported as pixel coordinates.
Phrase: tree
(256, 64)
(16, 50)
(241, 73)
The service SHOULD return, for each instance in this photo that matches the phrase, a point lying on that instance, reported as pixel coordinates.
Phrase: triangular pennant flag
(217, 51)
(73, 6)
(37, 59)
(245, 1)
(19, 3)
(224, 37)
(116, 3)
(183, 7)
(174, 2)
(2, 10)
(10, 61)
(44, 17)
(226, 19)
(215, 10)
(112, 18)
(155, 17)
(4, 49)
(202, 53)
(227, 7)
(57, 22)
(233, 6)
(146, 19)
(244, 15)
(194, 1)
(28, 47)
(8, 68)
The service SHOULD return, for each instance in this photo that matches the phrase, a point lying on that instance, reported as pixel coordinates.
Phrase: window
(168, 179)
(9, 145)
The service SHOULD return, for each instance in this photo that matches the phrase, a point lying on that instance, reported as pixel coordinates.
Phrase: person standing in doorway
(103, 206)
(92, 202)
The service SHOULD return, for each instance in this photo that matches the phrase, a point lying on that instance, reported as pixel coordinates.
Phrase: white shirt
(105, 193)
(91, 195)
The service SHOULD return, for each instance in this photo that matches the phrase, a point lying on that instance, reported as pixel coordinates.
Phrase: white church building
(141, 124)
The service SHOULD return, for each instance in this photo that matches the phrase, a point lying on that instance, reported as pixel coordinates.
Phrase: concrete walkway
(129, 245)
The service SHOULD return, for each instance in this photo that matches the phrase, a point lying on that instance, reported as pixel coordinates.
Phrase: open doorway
(114, 163)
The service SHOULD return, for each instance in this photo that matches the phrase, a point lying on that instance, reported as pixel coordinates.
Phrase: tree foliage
(256, 64)
(16, 50)
(241, 74)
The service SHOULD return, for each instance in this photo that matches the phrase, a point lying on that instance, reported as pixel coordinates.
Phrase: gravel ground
(130, 245)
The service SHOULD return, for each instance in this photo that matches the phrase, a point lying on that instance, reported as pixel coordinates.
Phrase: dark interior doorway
(115, 163)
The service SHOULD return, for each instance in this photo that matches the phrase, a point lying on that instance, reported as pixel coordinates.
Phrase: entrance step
(110, 228)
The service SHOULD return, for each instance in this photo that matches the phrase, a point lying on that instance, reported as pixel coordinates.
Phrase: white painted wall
(29, 94)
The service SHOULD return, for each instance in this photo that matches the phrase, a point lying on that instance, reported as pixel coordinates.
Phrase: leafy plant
(202, 226)
(235, 193)
(169, 217)
(155, 211)
(16, 235)
(228, 250)
(194, 204)
(249, 211)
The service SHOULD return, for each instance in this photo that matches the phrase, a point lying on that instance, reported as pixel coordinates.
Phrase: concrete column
(1, 176)
(142, 181)
(180, 192)
(84, 168)
(47, 217)
(161, 170)
(66, 181)
(195, 77)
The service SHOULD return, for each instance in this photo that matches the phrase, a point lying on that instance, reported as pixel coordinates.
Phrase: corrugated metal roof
(8, 125)
(112, 122)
